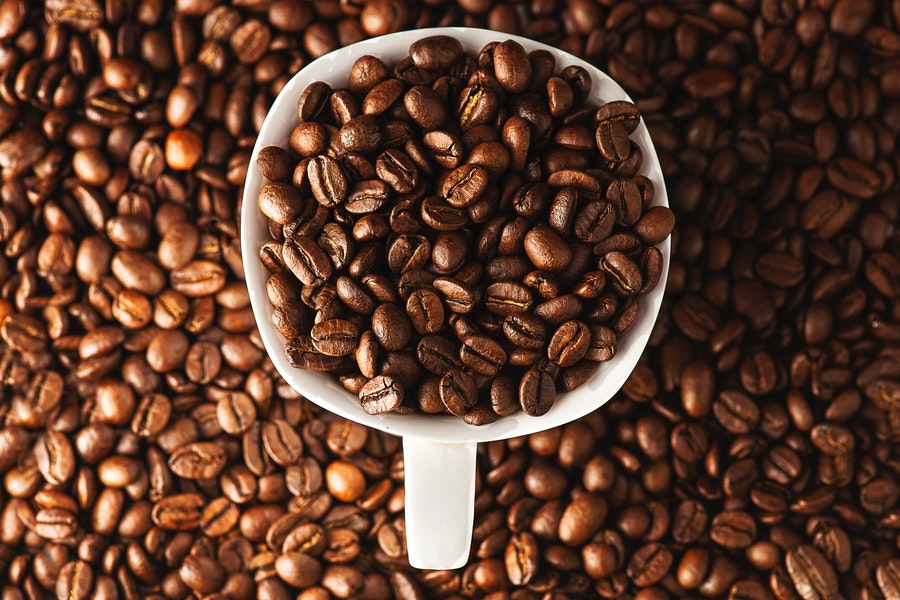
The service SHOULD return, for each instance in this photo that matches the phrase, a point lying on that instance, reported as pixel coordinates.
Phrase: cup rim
(322, 388)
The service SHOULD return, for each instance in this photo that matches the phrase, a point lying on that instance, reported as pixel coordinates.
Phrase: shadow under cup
(439, 450)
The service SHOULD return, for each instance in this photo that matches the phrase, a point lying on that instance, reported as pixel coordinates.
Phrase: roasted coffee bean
(655, 224)
(151, 415)
(780, 269)
(537, 391)
(458, 392)
(524, 330)
(361, 133)
(594, 222)
(649, 564)
(438, 354)
(444, 147)
(689, 522)
(621, 112)
(622, 273)
(832, 439)
(391, 326)
(55, 458)
(380, 395)
(612, 140)
(482, 354)
(733, 529)
(581, 518)
(512, 67)
(335, 337)
(327, 181)
(282, 442)
(736, 411)
(464, 185)
(366, 197)
(235, 413)
(504, 399)
(569, 343)
(425, 107)
(811, 573)
(436, 52)
(457, 296)
(602, 346)
(779, 159)
(522, 558)
(198, 460)
(888, 576)
(516, 136)
(546, 250)
(507, 298)
(408, 252)
(306, 260)
(397, 170)
(559, 309)
(302, 353)
(425, 311)
(477, 105)
(439, 215)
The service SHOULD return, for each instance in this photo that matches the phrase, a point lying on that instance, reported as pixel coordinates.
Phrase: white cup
(438, 451)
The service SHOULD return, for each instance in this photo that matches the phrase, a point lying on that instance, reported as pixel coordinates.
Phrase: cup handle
(440, 502)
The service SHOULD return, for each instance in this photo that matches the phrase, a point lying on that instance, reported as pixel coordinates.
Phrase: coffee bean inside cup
(435, 225)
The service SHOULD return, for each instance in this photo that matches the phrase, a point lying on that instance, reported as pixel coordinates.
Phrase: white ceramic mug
(439, 451)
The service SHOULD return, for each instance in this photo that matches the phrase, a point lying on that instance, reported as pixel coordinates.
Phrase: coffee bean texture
(440, 169)
(149, 449)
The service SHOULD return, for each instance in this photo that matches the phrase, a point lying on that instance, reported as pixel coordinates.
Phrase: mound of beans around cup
(459, 233)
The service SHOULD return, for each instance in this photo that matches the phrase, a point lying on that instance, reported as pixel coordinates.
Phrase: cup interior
(323, 388)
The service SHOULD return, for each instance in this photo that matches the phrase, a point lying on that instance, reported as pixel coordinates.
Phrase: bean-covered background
(149, 450)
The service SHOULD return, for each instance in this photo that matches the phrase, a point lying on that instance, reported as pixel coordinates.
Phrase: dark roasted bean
(458, 392)
(537, 391)
(380, 395)
(149, 448)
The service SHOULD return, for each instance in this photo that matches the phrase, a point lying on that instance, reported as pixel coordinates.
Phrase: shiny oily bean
(649, 564)
(512, 67)
(335, 337)
(524, 330)
(151, 415)
(198, 278)
(483, 355)
(397, 169)
(537, 391)
(547, 250)
(733, 529)
(736, 411)
(198, 460)
(380, 395)
(235, 413)
(178, 512)
(521, 558)
(426, 311)
(569, 343)
(507, 298)
(282, 442)
(55, 458)
(582, 518)
(438, 354)
(436, 52)
(464, 185)
(832, 439)
(811, 574)
(327, 181)
(622, 273)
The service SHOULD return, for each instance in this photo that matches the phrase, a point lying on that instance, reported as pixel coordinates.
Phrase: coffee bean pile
(385, 189)
(149, 450)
